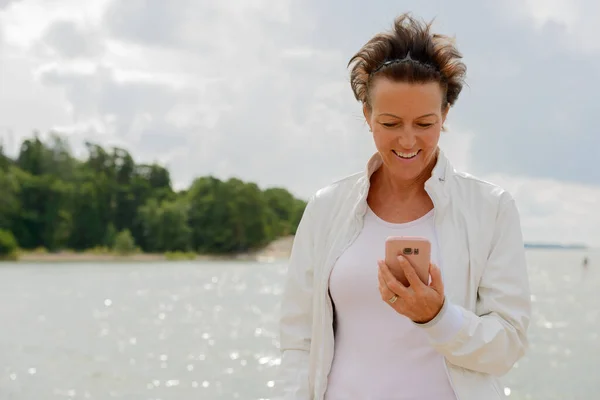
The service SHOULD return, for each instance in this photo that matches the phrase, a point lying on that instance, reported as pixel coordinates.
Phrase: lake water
(191, 330)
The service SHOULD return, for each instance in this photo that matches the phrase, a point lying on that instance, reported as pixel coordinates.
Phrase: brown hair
(408, 53)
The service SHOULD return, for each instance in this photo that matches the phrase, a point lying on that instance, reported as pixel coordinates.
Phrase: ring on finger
(393, 299)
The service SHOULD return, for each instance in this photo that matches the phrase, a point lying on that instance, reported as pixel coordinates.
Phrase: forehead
(405, 99)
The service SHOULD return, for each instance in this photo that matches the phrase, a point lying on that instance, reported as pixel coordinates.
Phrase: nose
(407, 139)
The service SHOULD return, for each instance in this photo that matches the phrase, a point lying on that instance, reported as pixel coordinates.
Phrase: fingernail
(401, 258)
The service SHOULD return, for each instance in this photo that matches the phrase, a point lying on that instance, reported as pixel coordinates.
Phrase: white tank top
(380, 354)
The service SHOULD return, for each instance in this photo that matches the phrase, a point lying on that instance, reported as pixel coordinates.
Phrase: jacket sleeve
(494, 337)
(296, 314)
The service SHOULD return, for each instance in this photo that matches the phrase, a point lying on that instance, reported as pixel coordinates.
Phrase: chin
(405, 175)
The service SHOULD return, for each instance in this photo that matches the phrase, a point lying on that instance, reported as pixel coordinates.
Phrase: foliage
(8, 245)
(52, 200)
(180, 255)
(124, 243)
(99, 250)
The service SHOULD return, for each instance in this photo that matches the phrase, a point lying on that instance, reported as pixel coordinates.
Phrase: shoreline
(279, 249)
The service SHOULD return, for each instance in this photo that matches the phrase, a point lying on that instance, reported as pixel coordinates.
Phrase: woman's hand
(419, 302)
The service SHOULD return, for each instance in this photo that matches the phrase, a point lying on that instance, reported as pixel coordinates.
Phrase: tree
(165, 225)
(210, 217)
(9, 197)
(44, 218)
(8, 245)
(31, 156)
(5, 161)
(124, 243)
(250, 211)
(49, 198)
(91, 214)
(284, 206)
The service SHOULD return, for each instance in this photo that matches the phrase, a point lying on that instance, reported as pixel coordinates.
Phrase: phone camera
(407, 250)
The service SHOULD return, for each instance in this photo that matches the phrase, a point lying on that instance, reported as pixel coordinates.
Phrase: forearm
(487, 344)
(293, 379)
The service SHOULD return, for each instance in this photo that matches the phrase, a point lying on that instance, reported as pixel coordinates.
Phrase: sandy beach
(278, 249)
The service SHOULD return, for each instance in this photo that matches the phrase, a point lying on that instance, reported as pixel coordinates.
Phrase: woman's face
(406, 120)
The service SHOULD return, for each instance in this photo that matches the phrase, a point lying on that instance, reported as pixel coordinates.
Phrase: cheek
(380, 138)
(430, 139)
(384, 140)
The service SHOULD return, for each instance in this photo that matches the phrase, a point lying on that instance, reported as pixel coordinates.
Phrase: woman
(349, 329)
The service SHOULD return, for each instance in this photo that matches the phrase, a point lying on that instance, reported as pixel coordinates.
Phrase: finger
(390, 280)
(437, 283)
(411, 274)
(386, 293)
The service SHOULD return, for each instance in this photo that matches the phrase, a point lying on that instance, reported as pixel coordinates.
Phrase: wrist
(446, 324)
(434, 316)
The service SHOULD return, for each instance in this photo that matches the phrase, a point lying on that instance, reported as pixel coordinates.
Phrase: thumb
(436, 279)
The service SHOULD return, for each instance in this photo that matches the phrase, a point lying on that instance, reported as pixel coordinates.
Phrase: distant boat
(555, 246)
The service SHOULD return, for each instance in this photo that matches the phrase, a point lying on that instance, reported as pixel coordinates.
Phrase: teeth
(406, 155)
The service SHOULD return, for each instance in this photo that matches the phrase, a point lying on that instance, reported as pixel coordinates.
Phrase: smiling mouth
(406, 156)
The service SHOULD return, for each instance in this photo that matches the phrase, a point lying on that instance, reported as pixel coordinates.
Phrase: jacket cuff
(446, 324)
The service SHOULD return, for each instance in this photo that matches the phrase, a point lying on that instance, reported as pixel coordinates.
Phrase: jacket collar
(436, 185)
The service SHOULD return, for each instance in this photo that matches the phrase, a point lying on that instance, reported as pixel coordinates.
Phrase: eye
(388, 124)
(423, 125)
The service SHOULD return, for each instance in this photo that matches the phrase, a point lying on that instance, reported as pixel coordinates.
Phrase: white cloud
(6, 3)
(579, 19)
(26, 20)
(26, 105)
(258, 89)
(562, 11)
(552, 210)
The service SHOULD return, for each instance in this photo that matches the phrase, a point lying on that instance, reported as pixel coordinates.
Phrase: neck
(403, 190)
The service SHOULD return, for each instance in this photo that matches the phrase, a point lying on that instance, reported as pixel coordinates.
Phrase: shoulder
(328, 205)
(470, 188)
(468, 191)
(339, 191)
(488, 212)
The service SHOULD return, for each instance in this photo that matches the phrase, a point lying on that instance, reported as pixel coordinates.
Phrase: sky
(259, 89)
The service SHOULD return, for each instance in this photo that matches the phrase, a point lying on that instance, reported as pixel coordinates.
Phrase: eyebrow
(395, 116)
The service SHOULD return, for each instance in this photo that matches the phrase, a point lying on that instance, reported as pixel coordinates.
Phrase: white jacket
(484, 273)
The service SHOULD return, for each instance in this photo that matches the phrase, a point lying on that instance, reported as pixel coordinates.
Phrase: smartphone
(416, 249)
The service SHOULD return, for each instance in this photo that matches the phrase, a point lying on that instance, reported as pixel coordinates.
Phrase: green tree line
(51, 199)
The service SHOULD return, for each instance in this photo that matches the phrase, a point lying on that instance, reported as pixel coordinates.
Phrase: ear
(367, 113)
